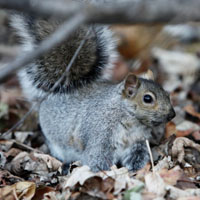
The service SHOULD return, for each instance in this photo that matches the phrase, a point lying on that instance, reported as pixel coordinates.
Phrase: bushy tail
(96, 57)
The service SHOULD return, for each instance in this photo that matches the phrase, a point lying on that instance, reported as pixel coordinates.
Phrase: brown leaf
(170, 129)
(97, 187)
(37, 165)
(171, 176)
(190, 109)
(179, 145)
(20, 190)
(41, 191)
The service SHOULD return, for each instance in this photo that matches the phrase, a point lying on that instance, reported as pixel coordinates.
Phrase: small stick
(150, 154)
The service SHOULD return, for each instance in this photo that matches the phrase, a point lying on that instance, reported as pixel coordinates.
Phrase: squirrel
(88, 118)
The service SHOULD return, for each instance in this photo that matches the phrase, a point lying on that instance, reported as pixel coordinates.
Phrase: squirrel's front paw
(134, 157)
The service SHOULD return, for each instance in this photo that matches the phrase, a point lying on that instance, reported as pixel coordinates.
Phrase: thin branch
(150, 154)
(151, 11)
(113, 11)
(146, 11)
(62, 33)
(44, 8)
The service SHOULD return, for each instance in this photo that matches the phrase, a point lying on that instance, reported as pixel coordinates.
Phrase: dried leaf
(171, 177)
(79, 175)
(153, 182)
(41, 191)
(190, 109)
(178, 147)
(176, 193)
(170, 129)
(40, 167)
(20, 190)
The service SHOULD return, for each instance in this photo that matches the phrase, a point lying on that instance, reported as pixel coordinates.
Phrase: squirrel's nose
(171, 114)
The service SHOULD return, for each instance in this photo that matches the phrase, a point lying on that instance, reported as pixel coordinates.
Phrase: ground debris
(27, 171)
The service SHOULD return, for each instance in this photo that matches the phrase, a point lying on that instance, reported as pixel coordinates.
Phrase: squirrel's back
(94, 62)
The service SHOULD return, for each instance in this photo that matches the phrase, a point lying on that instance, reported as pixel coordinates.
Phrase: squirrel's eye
(147, 98)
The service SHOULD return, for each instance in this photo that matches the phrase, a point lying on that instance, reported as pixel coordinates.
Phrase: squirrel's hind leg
(134, 157)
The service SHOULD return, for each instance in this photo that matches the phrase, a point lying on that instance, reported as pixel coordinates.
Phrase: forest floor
(28, 171)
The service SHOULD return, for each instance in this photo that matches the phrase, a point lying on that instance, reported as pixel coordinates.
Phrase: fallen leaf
(153, 182)
(176, 193)
(41, 167)
(171, 176)
(170, 129)
(41, 191)
(20, 190)
(79, 175)
(190, 109)
(178, 147)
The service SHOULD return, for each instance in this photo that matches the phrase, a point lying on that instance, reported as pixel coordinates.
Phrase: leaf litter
(28, 171)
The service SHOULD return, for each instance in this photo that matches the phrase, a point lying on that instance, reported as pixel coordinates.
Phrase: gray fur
(98, 123)
(94, 62)
(100, 127)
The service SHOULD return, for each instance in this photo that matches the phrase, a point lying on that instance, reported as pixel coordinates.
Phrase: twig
(132, 11)
(44, 8)
(54, 40)
(150, 154)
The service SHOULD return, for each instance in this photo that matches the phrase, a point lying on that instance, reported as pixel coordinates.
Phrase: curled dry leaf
(79, 175)
(36, 164)
(178, 147)
(20, 190)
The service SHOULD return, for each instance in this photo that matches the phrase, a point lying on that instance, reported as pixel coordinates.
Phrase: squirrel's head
(149, 102)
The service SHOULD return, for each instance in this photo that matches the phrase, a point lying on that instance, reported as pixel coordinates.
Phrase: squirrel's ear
(149, 75)
(131, 85)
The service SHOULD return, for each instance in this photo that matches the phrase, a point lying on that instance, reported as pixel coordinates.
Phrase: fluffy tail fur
(95, 60)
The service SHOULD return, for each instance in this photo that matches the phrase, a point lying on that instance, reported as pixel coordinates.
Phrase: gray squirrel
(88, 118)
